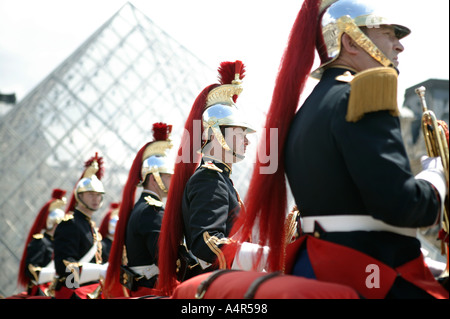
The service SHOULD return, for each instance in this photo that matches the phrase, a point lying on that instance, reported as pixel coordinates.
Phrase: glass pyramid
(103, 98)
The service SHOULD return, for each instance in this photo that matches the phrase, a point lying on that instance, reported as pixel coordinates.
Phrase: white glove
(433, 172)
(246, 255)
(46, 275)
(104, 270)
(92, 272)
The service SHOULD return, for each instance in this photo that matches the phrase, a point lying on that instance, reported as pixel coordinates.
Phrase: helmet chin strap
(233, 152)
(221, 140)
(236, 155)
(90, 208)
(239, 156)
(348, 26)
(160, 182)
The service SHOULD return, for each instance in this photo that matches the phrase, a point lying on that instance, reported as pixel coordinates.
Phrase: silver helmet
(89, 182)
(347, 16)
(55, 213)
(54, 217)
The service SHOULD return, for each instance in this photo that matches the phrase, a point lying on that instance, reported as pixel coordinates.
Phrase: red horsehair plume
(161, 131)
(114, 205)
(99, 161)
(58, 193)
(228, 71)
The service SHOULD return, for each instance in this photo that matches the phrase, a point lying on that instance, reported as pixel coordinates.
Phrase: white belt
(148, 270)
(348, 223)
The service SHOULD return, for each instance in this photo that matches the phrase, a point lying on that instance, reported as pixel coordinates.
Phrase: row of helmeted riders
(352, 233)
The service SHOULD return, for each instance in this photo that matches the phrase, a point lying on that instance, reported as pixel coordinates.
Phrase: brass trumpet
(437, 146)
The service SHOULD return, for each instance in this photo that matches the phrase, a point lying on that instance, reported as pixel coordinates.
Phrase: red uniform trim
(339, 264)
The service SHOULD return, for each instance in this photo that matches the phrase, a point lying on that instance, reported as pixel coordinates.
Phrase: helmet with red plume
(214, 107)
(150, 159)
(220, 108)
(348, 16)
(90, 180)
(155, 160)
(49, 215)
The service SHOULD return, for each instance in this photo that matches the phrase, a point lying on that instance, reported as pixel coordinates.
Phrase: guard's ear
(349, 44)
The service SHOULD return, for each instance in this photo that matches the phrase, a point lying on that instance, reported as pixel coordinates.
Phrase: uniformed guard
(133, 271)
(37, 270)
(203, 203)
(78, 248)
(107, 229)
(345, 160)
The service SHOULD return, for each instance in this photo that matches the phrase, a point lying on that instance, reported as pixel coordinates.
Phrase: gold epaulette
(373, 90)
(211, 166)
(38, 236)
(153, 202)
(67, 217)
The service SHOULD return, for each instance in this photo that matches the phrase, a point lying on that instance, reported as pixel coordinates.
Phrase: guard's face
(385, 39)
(93, 200)
(236, 138)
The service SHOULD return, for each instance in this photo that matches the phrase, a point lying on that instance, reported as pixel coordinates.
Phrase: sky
(37, 36)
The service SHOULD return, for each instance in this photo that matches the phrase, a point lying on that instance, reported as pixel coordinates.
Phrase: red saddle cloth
(80, 293)
(342, 265)
(223, 284)
(35, 293)
(21, 295)
(145, 293)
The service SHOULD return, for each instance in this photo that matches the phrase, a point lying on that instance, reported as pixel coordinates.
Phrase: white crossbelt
(148, 270)
(348, 223)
